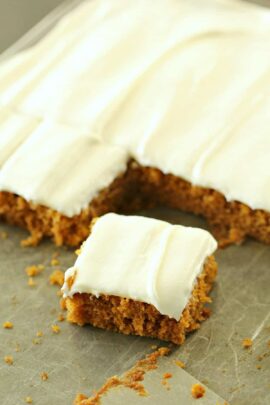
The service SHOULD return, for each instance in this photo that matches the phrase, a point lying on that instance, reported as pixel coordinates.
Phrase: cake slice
(142, 276)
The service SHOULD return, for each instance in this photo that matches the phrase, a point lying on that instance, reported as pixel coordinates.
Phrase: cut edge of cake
(139, 188)
(128, 316)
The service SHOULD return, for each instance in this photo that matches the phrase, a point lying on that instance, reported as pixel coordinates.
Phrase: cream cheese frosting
(59, 167)
(175, 85)
(143, 259)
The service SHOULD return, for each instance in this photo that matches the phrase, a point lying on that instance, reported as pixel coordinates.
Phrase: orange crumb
(163, 351)
(44, 376)
(131, 379)
(8, 360)
(197, 391)
(247, 342)
(8, 325)
(55, 262)
(28, 400)
(31, 282)
(180, 363)
(167, 375)
(164, 382)
(57, 278)
(34, 270)
(80, 398)
(56, 329)
(39, 333)
(61, 317)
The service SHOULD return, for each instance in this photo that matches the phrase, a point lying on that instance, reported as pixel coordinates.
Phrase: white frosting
(181, 87)
(144, 259)
(61, 168)
(14, 130)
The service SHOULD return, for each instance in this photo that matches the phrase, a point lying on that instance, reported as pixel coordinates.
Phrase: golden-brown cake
(182, 121)
(142, 276)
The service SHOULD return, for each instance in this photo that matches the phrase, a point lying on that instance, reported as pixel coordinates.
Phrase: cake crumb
(57, 277)
(131, 379)
(258, 367)
(44, 376)
(197, 391)
(34, 270)
(78, 252)
(31, 282)
(79, 398)
(164, 381)
(56, 329)
(61, 317)
(247, 343)
(8, 360)
(8, 325)
(166, 384)
(161, 352)
(28, 400)
(55, 262)
(39, 333)
(180, 363)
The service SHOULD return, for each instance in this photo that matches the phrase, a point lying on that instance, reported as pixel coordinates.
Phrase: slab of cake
(129, 104)
(142, 276)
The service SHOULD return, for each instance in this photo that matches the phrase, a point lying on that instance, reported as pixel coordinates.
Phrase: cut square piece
(142, 276)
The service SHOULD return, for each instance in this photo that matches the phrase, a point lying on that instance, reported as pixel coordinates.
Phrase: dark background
(18, 16)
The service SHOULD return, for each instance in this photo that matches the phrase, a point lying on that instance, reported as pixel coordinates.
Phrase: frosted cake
(129, 104)
(142, 276)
